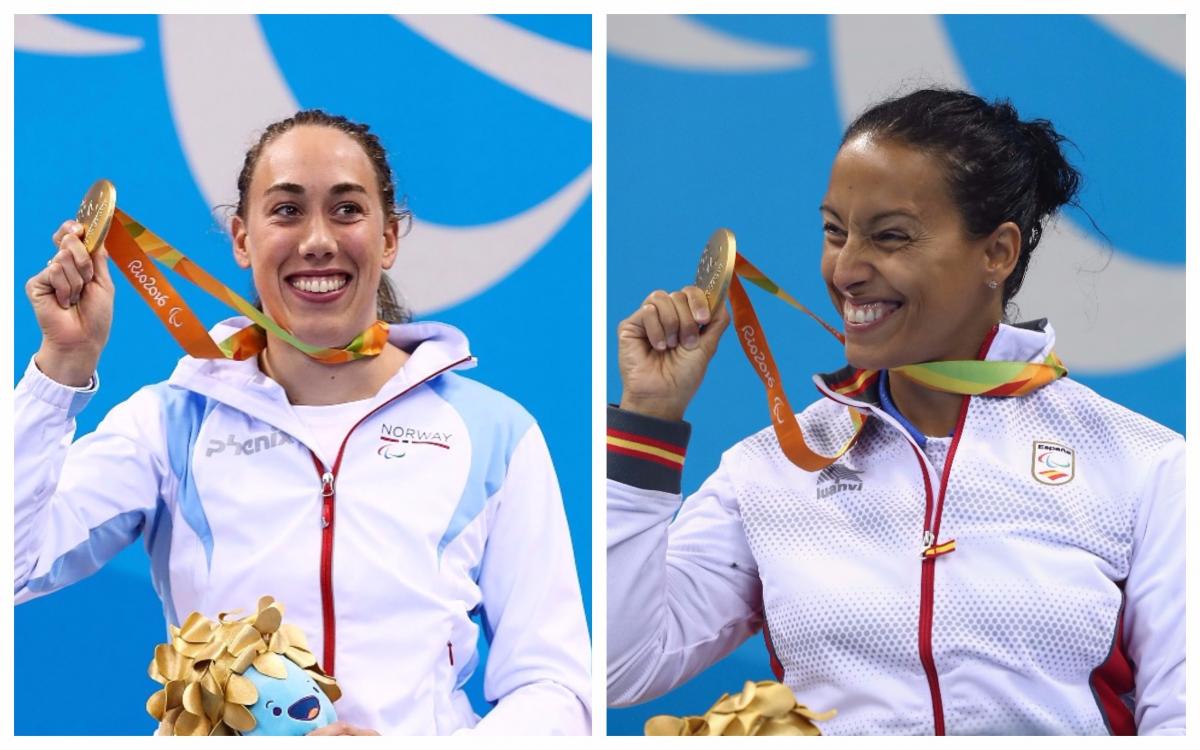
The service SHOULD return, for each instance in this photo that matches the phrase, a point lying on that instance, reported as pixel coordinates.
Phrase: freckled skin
(893, 233)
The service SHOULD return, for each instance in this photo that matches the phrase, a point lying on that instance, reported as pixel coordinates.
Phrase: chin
(326, 336)
(866, 358)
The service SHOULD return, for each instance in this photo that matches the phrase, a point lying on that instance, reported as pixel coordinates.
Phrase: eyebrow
(877, 217)
(338, 189)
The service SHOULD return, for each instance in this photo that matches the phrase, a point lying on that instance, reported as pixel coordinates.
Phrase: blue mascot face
(289, 707)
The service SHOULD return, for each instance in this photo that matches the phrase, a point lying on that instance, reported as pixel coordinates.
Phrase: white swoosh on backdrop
(53, 36)
(224, 86)
(1112, 312)
(552, 72)
(1128, 315)
(454, 264)
(1159, 37)
(680, 42)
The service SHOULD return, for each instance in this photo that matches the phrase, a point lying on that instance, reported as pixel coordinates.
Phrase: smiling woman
(384, 558)
(952, 443)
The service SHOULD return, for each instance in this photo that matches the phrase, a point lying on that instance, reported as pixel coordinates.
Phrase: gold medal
(96, 213)
(716, 267)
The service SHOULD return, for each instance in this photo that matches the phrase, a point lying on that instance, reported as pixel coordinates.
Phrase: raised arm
(78, 504)
(683, 593)
(75, 505)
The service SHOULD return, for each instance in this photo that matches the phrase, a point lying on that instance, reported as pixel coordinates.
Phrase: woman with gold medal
(281, 474)
(956, 538)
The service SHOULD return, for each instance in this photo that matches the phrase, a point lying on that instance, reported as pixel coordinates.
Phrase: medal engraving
(96, 212)
(716, 267)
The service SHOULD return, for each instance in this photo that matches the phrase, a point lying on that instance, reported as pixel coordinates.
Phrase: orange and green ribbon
(965, 377)
(132, 247)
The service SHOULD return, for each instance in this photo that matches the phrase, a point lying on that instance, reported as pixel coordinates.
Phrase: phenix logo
(250, 445)
(395, 440)
(842, 479)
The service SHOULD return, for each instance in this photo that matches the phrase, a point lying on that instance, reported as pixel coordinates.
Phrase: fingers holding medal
(665, 346)
(72, 296)
(71, 266)
(674, 319)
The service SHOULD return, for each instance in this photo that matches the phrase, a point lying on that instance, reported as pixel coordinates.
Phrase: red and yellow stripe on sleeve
(649, 449)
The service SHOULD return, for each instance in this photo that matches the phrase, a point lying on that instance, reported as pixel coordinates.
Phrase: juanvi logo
(248, 446)
(835, 478)
(396, 440)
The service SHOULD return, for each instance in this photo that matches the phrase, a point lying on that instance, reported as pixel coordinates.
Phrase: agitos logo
(1053, 463)
(397, 440)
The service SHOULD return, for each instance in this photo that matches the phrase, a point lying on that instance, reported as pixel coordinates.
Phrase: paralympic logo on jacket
(1053, 463)
(395, 439)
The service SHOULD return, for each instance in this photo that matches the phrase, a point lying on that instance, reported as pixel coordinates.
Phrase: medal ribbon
(132, 246)
(964, 377)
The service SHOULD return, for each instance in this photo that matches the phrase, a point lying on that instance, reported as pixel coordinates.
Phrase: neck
(308, 382)
(932, 412)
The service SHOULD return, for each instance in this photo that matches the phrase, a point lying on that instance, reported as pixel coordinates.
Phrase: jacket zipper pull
(450, 648)
(929, 551)
(326, 493)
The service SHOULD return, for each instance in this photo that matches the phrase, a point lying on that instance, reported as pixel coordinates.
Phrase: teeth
(319, 284)
(868, 313)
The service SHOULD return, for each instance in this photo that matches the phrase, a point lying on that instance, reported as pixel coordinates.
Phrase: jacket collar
(1031, 341)
(433, 348)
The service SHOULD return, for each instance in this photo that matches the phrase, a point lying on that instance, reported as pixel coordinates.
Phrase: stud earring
(992, 284)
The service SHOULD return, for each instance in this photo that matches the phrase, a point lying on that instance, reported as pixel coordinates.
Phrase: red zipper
(925, 619)
(328, 503)
(327, 618)
(933, 524)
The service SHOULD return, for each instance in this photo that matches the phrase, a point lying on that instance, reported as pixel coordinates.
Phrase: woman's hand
(72, 300)
(341, 727)
(663, 354)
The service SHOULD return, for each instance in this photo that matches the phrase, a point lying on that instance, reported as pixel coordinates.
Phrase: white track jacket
(1060, 611)
(442, 503)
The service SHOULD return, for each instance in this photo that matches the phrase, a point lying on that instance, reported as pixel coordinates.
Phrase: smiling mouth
(859, 316)
(319, 284)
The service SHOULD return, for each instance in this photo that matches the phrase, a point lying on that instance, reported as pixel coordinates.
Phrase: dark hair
(999, 168)
(390, 308)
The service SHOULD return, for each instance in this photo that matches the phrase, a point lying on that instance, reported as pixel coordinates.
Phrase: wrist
(73, 369)
(657, 408)
(645, 451)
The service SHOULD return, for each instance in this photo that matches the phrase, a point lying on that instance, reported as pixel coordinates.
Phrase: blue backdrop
(489, 127)
(734, 121)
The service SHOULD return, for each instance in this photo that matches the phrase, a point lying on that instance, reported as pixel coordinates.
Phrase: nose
(851, 264)
(319, 240)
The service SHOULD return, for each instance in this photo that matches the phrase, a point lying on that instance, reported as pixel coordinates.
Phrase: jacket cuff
(646, 452)
(65, 397)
